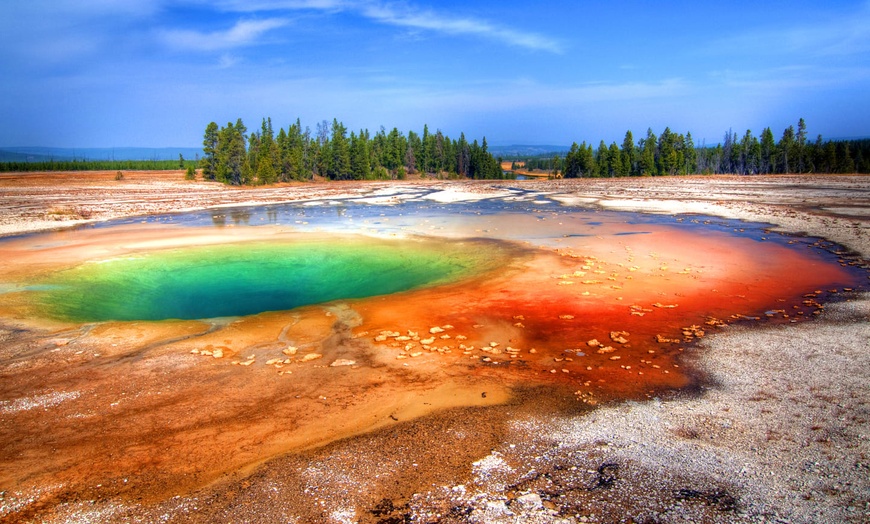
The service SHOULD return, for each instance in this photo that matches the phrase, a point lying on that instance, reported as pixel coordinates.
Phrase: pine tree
(283, 155)
(846, 164)
(463, 159)
(234, 157)
(572, 162)
(690, 156)
(267, 155)
(338, 167)
(414, 145)
(249, 169)
(785, 147)
(800, 146)
(426, 151)
(648, 154)
(768, 151)
(438, 157)
(208, 162)
(396, 146)
(614, 158)
(667, 154)
(628, 155)
(601, 159)
(360, 162)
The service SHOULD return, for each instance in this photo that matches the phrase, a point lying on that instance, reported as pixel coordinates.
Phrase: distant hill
(526, 151)
(43, 154)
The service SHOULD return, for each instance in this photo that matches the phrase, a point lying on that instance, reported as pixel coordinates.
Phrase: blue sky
(153, 73)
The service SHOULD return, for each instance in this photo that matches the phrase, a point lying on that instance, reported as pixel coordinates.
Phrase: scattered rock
(311, 356)
(619, 337)
(607, 475)
(693, 331)
(342, 362)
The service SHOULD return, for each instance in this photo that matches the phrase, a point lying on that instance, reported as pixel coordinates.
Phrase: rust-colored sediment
(147, 410)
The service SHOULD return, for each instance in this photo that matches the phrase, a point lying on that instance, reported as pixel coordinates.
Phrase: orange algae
(615, 321)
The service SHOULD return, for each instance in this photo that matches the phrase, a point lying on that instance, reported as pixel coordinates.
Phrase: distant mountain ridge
(44, 154)
(526, 150)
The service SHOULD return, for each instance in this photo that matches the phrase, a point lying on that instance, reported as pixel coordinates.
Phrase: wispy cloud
(779, 80)
(243, 33)
(528, 95)
(407, 16)
(428, 19)
(841, 34)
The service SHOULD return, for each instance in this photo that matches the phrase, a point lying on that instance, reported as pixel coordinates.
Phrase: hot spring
(252, 277)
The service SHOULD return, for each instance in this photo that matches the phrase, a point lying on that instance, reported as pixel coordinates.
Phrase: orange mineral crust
(610, 321)
(142, 411)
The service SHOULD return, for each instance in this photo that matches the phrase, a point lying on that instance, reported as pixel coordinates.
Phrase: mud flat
(754, 422)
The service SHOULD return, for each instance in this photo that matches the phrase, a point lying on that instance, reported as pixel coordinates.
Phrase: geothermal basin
(150, 358)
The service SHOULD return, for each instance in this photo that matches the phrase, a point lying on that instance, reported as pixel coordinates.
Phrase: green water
(249, 278)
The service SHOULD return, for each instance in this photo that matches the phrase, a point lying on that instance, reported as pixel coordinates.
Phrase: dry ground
(778, 432)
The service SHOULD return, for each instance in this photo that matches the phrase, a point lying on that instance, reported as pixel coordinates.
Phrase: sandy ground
(777, 429)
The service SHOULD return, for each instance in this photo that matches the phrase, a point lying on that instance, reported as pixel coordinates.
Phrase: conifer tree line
(85, 164)
(676, 154)
(234, 156)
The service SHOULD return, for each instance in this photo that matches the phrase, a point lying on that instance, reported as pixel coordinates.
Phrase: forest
(234, 156)
(85, 164)
(676, 154)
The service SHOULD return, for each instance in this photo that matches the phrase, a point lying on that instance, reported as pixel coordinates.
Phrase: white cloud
(243, 33)
(427, 19)
(407, 16)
